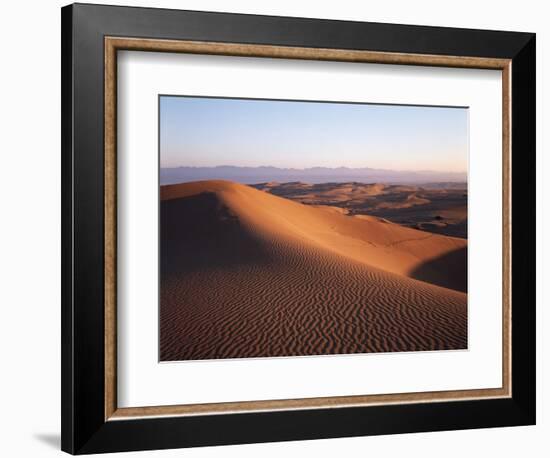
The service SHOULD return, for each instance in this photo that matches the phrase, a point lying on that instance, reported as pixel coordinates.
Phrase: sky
(207, 132)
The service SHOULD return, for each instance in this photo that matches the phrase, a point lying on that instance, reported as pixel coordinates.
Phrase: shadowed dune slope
(248, 274)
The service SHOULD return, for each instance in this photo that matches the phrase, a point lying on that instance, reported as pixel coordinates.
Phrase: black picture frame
(84, 428)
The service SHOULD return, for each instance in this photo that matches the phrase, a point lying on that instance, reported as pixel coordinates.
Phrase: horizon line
(368, 183)
(311, 167)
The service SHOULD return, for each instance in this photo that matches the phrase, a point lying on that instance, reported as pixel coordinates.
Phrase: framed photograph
(282, 228)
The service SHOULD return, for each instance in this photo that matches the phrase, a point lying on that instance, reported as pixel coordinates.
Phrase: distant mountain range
(251, 175)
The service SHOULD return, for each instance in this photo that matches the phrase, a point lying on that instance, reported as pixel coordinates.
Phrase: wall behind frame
(30, 233)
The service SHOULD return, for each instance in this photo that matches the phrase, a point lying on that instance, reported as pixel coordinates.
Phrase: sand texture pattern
(245, 273)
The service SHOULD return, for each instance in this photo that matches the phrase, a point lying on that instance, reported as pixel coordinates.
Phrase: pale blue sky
(197, 131)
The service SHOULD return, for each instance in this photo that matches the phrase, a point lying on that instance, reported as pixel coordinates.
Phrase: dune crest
(440, 208)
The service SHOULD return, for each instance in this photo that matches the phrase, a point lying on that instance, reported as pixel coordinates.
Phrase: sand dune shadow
(200, 232)
(448, 270)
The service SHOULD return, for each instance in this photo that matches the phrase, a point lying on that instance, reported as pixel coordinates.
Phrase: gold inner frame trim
(114, 44)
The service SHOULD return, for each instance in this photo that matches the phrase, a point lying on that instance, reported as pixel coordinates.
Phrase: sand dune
(248, 274)
(410, 201)
(440, 208)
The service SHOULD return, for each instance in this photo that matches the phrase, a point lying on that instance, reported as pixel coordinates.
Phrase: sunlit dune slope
(248, 274)
(369, 240)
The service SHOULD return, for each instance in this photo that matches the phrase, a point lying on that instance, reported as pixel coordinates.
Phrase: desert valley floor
(293, 270)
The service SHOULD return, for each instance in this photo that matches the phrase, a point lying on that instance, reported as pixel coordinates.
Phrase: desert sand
(245, 273)
(440, 208)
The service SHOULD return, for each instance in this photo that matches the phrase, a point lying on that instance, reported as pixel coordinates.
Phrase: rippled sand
(248, 274)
